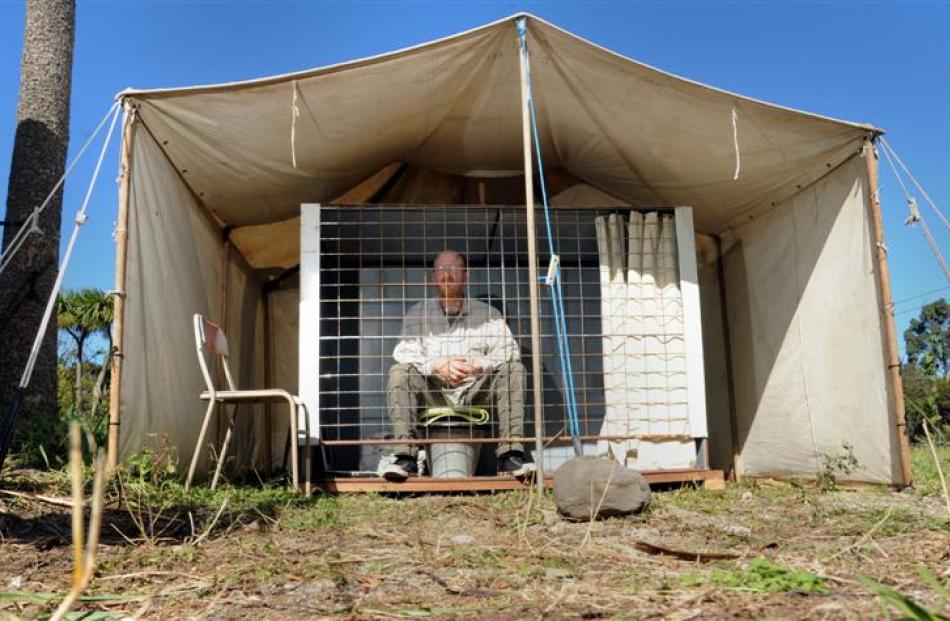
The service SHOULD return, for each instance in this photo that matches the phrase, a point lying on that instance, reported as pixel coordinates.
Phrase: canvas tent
(799, 342)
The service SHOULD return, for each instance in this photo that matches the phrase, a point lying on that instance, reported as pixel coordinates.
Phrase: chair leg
(224, 448)
(201, 439)
(293, 445)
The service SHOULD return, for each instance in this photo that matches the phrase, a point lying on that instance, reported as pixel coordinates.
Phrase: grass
(402, 555)
(760, 576)
(924, 468)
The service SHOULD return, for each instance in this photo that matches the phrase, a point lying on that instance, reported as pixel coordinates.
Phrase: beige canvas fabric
(453, 106)
(800, 280)
(806, 334)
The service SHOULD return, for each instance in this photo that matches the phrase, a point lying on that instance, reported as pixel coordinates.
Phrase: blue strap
(554, 283)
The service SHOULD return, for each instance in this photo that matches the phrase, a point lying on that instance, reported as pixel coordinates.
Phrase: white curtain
(645, 382)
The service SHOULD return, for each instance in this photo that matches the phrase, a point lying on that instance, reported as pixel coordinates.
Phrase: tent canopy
(253, 151)
(224, 166)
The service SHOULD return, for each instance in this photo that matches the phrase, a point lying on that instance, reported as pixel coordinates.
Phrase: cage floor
(491, 483)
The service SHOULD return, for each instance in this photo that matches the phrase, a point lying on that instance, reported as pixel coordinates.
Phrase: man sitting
(456, 351)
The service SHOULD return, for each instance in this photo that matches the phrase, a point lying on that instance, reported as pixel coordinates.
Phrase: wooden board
(485, 484)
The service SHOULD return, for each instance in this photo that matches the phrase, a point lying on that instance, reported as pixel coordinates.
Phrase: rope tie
(889, 151)
(294, 113)
(34, 220)
(735, 142)
(473, 415)
(915, 216)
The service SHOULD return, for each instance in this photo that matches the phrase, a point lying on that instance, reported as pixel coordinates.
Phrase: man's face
(450, 275)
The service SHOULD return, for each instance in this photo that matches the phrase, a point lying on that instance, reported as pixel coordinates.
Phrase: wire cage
(627, 331)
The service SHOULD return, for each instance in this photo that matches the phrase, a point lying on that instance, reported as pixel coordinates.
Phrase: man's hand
(455, 369)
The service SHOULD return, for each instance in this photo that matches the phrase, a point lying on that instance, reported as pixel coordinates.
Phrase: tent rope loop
(553, 278)
(735, 142)
(294, 113)
(34, 220)
(915, 216)
(888, 153)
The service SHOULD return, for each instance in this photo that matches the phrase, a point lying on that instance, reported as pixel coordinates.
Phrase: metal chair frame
(210, 340)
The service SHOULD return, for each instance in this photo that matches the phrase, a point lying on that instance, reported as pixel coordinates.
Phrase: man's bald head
(450, 270)
(450, 258)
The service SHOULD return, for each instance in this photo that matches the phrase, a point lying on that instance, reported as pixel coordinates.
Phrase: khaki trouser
(500, 392)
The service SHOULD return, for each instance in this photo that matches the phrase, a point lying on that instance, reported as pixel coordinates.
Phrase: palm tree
(82, 314)
(39, 156)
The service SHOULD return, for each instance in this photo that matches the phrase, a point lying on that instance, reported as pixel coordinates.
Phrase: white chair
(211, 341)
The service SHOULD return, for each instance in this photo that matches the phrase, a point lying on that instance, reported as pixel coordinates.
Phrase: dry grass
(800, 554)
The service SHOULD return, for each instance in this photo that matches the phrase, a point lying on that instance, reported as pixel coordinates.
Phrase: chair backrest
(211, 340)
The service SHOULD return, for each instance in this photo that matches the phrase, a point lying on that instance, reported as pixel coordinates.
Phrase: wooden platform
(710, 478)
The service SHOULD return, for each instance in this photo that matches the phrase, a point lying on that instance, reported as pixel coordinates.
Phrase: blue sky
(876, 62)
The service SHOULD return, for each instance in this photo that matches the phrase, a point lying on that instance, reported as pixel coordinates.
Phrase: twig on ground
(523, 527)
(214, 521)
(139, 574)
(596, 510)
(684, 555)
(864, 538)
(50, 500)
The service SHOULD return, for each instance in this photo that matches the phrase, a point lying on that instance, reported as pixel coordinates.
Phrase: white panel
(309, 365)
(692, 326)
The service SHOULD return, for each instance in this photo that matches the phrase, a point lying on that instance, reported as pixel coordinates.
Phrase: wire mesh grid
(386, 328)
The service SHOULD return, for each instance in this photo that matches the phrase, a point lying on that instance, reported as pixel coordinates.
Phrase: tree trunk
(100, 381)
(80, 345)
(39, 157)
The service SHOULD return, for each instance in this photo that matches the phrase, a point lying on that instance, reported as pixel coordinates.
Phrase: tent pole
(536, 368)
(730, 376)
(223, 318)
(887, 310)
(268, 382)
(118, 300)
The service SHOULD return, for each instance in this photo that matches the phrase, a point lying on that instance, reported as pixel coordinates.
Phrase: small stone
(747, 496)
(587, 485)
(463, 539)
(557, 572)
(738, 531)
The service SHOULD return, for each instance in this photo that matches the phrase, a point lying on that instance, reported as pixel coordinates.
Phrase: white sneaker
(397, 468)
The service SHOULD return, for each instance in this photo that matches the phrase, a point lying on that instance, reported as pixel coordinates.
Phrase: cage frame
(310, 354)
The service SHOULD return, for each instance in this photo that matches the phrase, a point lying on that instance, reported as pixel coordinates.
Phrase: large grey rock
(580, 484)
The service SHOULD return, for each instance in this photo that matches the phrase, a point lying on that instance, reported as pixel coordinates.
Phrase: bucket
(453, 460)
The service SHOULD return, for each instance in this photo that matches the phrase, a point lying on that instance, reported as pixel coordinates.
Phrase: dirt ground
(777, 551)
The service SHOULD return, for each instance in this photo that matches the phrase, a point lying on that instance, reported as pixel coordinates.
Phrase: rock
(463, 539)
(579, 489)
(550, 517)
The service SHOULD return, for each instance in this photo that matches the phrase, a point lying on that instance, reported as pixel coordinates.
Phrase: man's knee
(400, 375)
(512, 369)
